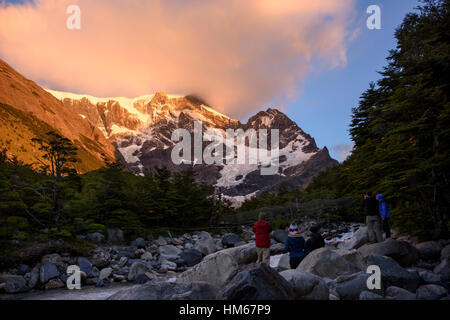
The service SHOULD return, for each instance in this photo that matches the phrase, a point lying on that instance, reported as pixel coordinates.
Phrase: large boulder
(166, 291)
(307, 286)
(431, 292)
(360, 237)
(230, 239)
(100, 257)
(279, 235)
(15, 286)
(429, 250)
(169, 252)
(191, 257)
(105, 273)
(115, 236)
(400, 251)
(85, 266)
(325, 262)
(137, 268)
(48, 271)
(350, 287)
(256, 282)
(443, 269)
(392, 274)
(244, 254)
(214, 269)
(396, 293)
(428, 277)
(205, 244)
(198, 291)
(280, 261)
(353, 256)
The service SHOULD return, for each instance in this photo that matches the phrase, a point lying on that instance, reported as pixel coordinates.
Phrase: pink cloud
(238, 55)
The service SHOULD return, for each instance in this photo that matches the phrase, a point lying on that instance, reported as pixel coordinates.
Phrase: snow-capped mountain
(141, 130)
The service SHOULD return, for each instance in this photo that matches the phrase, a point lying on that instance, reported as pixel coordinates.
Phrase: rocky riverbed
(199, 265)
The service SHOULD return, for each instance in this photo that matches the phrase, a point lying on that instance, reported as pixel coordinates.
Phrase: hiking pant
(374, 228)
(263, 255)
(294, 262)
(386, 228)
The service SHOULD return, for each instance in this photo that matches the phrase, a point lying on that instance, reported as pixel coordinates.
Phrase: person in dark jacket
(315, 240)
(370, 209)
(262, 230)
(295, 244)
(384, 215)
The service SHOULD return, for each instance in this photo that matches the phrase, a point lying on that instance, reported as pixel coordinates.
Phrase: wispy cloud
(238, 55)
(344, 150)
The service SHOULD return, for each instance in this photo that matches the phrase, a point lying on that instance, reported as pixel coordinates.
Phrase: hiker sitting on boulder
(295, 244)
(262, 230)
(315, 240)
(370, 209)
(384, 215)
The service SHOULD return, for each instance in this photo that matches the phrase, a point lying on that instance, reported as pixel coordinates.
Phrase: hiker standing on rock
(371, 211)
(315, 240)
(384, 214)
(262, 230)
(295, 244)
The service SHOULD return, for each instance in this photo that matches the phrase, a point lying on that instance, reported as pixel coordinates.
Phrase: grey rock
(169, 252)
(160, 241)
(431, 292)
(147, 256)
(15, 286)
(443, 269)
(401, 251)
(277, 248)
(256, 282)
(396, 293)
(100, 258)
(48, 271)
(360, 237)
(279, 235)
(307, 286)
(368, 295)
(429, 250)
(428, 277)
(191, 256)
(142, 278)
(54, 284)
(85, 265)
(205, 243)
(230, 239)
(392, 274)
(327, 263)
(350, 287)
(198, 291)
(160, 291)
(138, 243)
(101, 283)
(137, 268)
(105, 273)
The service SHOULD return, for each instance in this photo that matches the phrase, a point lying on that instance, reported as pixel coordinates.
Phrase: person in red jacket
(262, 230)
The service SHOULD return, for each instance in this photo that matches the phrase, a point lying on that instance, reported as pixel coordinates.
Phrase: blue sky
(323, 108)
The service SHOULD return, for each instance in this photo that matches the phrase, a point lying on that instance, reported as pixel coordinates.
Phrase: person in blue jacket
(295, 245)
(384, 214)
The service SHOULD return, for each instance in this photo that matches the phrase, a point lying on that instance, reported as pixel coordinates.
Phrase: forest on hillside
(401, 133)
